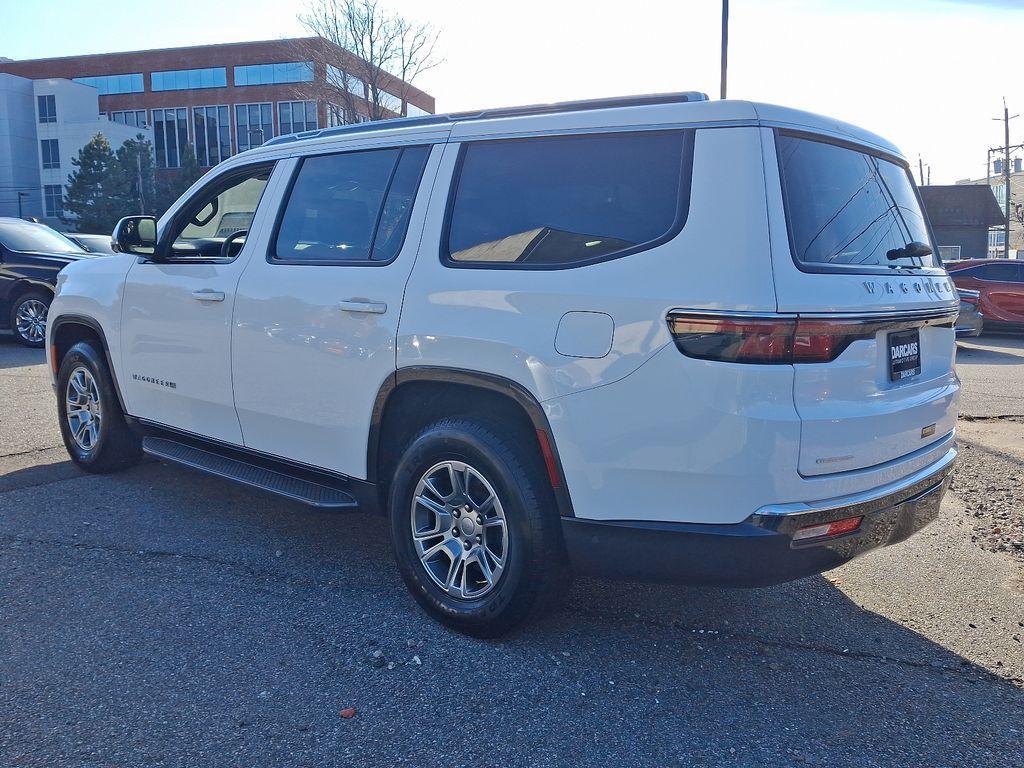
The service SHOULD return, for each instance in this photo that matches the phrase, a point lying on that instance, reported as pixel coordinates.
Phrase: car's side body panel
(505, 322)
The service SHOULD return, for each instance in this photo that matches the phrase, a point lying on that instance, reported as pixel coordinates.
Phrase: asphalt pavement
(158, 617)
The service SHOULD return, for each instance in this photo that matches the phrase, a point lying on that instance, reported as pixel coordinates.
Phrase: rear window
(847, 208)
(567, 200)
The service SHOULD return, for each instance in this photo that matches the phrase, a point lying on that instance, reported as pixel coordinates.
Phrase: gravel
(991, 485)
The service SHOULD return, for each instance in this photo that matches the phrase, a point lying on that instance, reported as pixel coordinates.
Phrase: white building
(43, 126)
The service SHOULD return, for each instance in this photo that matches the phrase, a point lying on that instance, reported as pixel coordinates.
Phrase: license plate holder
(904, 352)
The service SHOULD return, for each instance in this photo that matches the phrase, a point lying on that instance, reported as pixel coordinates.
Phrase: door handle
(207, 295)
(361, 305)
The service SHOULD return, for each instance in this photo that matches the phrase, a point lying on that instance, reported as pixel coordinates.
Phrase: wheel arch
(18, 289)
(413, 397)
(67, 330)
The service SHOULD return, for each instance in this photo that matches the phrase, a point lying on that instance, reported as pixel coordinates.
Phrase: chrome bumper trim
(865, 502)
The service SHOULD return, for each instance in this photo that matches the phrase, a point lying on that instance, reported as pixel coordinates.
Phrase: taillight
(738, 339)
(828, 530)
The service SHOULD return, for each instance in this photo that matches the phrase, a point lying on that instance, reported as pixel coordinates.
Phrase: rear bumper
(760, 550)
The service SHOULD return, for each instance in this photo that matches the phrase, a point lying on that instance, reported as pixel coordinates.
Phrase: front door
(176, 310)
(316, 320)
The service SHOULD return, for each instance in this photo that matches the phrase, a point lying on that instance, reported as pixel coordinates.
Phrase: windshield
(849, 208)
(26, 236)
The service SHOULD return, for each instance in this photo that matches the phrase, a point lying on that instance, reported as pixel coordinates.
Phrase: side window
(350, 207)
(214, 215)
(1002, 273)
(567, 200)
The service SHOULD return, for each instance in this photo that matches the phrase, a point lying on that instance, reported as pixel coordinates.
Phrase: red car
(1001, 284)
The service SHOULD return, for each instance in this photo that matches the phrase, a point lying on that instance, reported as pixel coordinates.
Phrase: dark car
(31, 255)
(1001, 284)
(98, 244)
(970, 321)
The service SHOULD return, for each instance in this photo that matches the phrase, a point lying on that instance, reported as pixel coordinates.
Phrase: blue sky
(928, 74)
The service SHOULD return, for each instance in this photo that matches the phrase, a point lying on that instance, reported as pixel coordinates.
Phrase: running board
(306, 491)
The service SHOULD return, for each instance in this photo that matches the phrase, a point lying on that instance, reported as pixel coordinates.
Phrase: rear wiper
(912, 250)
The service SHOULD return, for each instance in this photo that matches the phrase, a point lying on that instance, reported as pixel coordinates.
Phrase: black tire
(536, 572)
(116, 446)
(34, 295)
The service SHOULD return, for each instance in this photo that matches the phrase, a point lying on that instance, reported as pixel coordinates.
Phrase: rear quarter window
(566, 201)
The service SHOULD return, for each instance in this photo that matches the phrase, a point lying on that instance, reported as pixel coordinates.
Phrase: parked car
(1001, 285)
(970, 321)
(98, 244)
(31, 255)
(655, 337)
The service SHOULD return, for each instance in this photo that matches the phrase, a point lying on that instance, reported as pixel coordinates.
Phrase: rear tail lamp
(828, 530)
(771, 340)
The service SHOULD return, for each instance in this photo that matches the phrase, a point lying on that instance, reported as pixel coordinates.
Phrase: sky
(927, 74)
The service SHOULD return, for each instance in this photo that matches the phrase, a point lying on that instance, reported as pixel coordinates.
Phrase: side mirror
(135, 234)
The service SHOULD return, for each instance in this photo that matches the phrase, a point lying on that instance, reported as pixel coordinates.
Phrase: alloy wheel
(30, 320)
(459, 530)
(83, 411)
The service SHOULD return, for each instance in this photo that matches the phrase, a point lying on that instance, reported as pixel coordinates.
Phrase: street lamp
(20, 196)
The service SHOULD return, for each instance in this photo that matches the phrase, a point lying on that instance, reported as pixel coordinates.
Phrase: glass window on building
(411, 110)
(133, 117)
(274, 74)
(297, 116)
(189, 79)
(212, 128)
(345, 81)
(53, 198)
(170, 135)
(51, 153)
(254, 125)
(47, 108)
(111, 84)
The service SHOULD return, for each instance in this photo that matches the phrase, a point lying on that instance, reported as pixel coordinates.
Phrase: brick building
(225, 98)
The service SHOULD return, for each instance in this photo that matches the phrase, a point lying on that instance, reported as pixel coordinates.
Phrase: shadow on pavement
(242, 624)
(15, 355)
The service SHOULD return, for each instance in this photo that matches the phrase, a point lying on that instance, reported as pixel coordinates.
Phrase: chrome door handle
(361, 305)
(207, 295)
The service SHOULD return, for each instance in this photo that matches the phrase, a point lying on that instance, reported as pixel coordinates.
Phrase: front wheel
(474, 528)
(28, 318)
(94, 429)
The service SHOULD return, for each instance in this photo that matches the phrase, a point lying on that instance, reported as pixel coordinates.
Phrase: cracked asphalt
(161, 618)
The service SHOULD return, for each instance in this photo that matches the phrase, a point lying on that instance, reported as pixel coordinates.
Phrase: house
(961, 216)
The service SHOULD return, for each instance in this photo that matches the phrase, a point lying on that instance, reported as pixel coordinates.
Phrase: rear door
(843, 218)
(1004, 286)
(317, 310)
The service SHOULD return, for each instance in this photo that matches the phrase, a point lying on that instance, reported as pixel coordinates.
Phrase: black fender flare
(94, 326)
(492, 382)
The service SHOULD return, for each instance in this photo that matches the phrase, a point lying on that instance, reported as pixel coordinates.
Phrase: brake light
(737, 339)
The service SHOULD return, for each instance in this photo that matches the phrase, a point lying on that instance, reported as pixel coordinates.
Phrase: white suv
(656, 337)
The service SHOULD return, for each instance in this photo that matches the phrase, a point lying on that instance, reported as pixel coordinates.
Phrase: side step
(306, 491)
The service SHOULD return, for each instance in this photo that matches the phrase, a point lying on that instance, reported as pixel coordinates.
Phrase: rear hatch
(851, 258)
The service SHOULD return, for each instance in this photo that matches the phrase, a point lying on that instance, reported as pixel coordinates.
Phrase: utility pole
(920, 170)
(725, 42)
(1006, 176)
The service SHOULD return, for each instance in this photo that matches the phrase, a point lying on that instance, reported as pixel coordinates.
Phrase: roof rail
(532, 109)
(585, 104)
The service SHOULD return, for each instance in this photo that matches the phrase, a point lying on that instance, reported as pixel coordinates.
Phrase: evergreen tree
(173, 183)
(138, 165)
(97, 190)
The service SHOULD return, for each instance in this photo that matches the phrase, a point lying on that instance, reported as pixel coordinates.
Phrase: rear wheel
(474, 528)
(28, 317)
(94, 429)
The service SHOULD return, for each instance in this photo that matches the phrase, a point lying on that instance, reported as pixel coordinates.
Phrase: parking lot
(162, 618)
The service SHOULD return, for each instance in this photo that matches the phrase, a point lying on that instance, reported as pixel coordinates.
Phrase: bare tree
(386, 53)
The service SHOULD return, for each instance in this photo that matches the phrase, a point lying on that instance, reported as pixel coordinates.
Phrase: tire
(525, 555)
(28, 317)
(109, 444)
